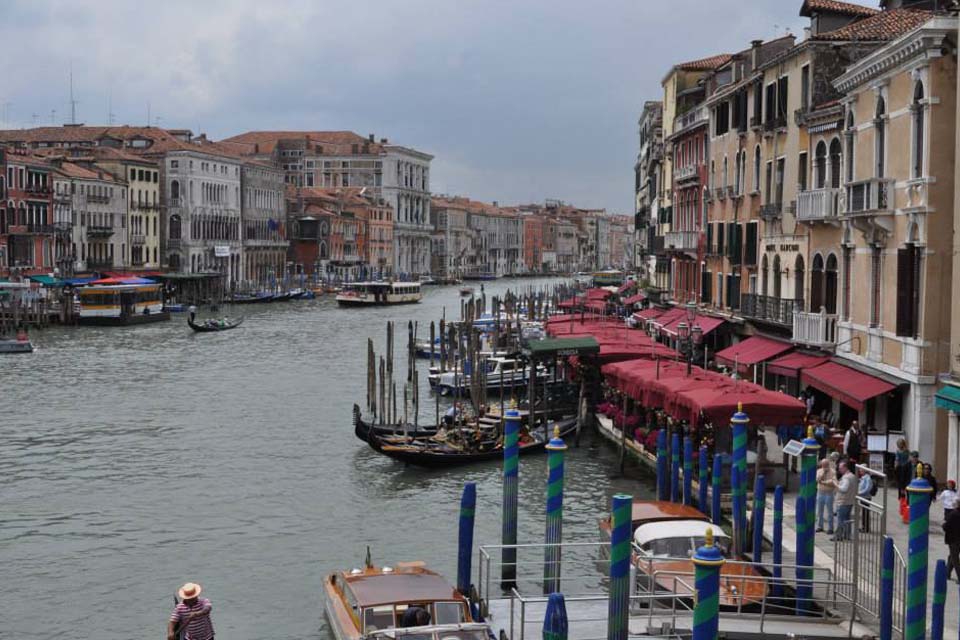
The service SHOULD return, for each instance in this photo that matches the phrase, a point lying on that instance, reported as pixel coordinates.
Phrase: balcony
(98, 199)
(686, 173)
(720, 193)
(99, 265)
(815, 329)
(99, 232)
(138, 239)
(690, 119)
(37, 189)
(174, 244)
(769, 308)
(869, 196)
(819, 205)
(755, 122)
(774, 124)
(40, 228)
(771, 211)
(682, 240)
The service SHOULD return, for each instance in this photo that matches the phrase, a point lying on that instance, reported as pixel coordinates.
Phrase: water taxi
(500, 372)
(121, 304)
(379, 293)
(389, 602)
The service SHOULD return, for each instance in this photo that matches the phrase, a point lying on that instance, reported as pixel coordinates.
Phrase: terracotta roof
(883, 26)
(834, 6)
(333, 142)
(706, 64)
(72, 170)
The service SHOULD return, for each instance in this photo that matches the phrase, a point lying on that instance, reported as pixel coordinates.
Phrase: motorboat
(499, 373)
(20, 344)
(357, 294)
(466, 291)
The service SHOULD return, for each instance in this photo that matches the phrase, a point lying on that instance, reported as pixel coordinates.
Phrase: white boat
(379, 293)
(20, 344)
(508, 371)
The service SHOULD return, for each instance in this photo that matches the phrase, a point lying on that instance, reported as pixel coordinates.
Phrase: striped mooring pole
(886, 590)
(555, 624)
(554, 532)
(619, 608)
(918, 492)
(707, 561)
(715, 493)
(663, 487)
(675, 467)
(738, 491)
(806, 521)
(778, 541)
(939, 600)
(704, 476)
(468, 508)
(687, 470)
(511, 477)
(759, 504)
(736, 506)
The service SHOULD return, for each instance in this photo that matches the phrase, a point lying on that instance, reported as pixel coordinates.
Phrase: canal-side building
(27, 244)
(647, 178)
(533, 232)
(263, 218)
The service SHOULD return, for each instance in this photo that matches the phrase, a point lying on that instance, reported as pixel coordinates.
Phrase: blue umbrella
(555, 619)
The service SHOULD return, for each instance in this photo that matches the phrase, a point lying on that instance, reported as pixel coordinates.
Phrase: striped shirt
(200, 628)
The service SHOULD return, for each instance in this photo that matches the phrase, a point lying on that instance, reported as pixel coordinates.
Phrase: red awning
(626, 286)
(849, 386)
(791, 364)
(706, 323)
(597, 294)
(648, 314)
(719, 405)
(569, 303)
(751, 351)
(634, 299)
(595, 306)
(669, 316)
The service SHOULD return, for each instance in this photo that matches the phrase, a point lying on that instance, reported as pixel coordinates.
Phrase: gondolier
(191, 616)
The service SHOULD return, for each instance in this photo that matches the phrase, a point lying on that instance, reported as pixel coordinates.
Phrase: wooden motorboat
(665, 537)
(391, 602)
(209, 325)
(20, 344)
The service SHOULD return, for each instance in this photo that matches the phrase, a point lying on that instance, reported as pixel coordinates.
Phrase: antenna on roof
(53, 116)
(73, 103)
(36, 119)
(148, 113)
(110, 114)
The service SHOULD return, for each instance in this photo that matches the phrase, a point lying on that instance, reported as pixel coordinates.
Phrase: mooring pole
(886, 590)
(939, 600)
(675, 467)
(919, 495)
(663, 487)
(619, 604)
(738, 491)
(687, 470)
(468, 507)
(759, 503)
(555, 624)
(511, 460)
(806, 521)
(778, 541)
(716, 490)
(704, 478)
(708, 562)
(554, 532)
(737, 507)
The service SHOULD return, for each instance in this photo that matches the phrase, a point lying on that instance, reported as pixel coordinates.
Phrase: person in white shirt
(949, 499)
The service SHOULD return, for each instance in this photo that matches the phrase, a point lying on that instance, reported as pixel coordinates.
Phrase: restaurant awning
(634, 299)
(648, 314)
(849, 386)
(706, 323)
(47, 281)
(751, 351)
(948, 397)
(669, 316)
(791, 364)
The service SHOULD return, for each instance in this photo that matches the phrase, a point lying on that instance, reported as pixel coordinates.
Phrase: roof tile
(835, 6)
(883, 26)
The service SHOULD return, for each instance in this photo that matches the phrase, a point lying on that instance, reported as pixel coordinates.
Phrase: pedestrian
(191, 616)
(929, 477)
(949, 499)
(845, 495)
(901, 466)
(865, 493)
(852, 445)
(951, 535)
(820, 434)
(825, 492)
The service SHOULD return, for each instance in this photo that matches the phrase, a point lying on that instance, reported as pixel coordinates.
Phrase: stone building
(647, 180)
(263, 217)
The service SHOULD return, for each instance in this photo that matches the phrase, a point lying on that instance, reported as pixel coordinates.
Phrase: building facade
(263, 216)
(27, 244)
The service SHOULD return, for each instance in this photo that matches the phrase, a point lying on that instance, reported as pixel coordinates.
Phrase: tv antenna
(73, 102)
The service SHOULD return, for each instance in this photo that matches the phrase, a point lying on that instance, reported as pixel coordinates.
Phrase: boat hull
(15, 346)
(124, 321)
(200, 328)
(363, 429)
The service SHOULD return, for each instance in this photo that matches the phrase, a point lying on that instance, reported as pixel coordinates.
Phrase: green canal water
(133, 460)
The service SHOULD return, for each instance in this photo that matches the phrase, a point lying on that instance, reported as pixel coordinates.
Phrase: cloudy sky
(518, 100)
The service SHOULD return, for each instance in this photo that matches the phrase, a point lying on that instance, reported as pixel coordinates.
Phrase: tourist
(901, 466)
(825, 491)
(929, 477)
(191, 616)
(845, 495)
(949, 499)
(852, 444)
(951, 535)
(865, 491)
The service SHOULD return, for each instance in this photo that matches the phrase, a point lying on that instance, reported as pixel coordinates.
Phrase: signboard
(877, 442)
(221, 251)
(793, 448)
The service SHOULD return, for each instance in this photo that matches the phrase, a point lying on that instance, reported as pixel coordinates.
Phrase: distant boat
(210, 325)
(379, 293)
(257, 298)
(466, 291)
(20, 344)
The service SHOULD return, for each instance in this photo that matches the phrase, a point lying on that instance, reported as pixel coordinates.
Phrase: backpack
(874, 487)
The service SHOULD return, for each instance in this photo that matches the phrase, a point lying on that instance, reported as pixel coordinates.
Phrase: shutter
(738, 243)
(704, 286)
(710, 237)
(915, 265)
(730, 290)
(751, 257)
(735, 293)
(904, 295)
(721, 229)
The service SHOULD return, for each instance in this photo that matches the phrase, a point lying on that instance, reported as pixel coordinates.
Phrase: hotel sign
(783, 247)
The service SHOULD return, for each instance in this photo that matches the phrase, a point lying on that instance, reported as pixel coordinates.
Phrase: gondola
(203, 328)
(362, 429)
(422, 453)
(259, 298)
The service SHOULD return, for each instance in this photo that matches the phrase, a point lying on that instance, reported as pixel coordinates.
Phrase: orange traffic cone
(904, 511)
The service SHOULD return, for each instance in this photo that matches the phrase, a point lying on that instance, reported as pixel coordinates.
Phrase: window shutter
(751, 253)
(730, 290)
(710, 237)
(915, 266)
(735, 293)
(904, 293)
(720, 231)
(705, 286)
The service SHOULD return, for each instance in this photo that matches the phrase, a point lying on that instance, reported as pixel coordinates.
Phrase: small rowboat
(215, 325)
(466, 291)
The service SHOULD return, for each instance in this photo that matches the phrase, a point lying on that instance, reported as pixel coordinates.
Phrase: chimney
(371, 137)
(755, 53)
(383, 141)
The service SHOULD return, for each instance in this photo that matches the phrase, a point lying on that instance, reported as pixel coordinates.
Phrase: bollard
(687, 470)
(886, 590)
(759, 504)
(675, 467)
(708, 562)
(618, 610)
(806, 521)
(555, 624)
(511, 468)
(939, 600)
(918, 491)
(704, 473)
(716, 510)
(736, 505)
(468, 507)
(738, 490)
(663, 490)
(778, 541)
(554, 532)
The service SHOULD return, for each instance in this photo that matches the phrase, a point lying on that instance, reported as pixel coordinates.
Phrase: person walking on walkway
(191, 616)
(826, 477)
(852, 443)
(846, 494)
(865, 493)
(951, 535)
(949, 499)
(901, 466)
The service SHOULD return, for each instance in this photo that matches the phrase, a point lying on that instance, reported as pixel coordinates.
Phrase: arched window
(918, 116)
(175, 191)
(776, 277)
(848, 136)
(798, 279)
(830, 284)
(835, 160)
(816, 284)
(756, 168)
(175, 227)
(820, 165)
(880, 137)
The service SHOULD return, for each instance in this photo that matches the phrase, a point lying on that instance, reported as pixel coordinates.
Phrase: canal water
(132, 460)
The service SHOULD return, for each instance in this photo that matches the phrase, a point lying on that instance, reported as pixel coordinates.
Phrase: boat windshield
(680, 547)
(428, 633)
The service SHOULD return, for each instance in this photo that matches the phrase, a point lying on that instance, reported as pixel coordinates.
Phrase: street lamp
(690, 335)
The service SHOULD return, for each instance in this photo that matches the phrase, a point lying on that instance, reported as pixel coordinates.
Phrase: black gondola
(205, 328)
(362, 429)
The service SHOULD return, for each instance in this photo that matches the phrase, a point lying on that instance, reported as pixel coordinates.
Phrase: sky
(517, 100)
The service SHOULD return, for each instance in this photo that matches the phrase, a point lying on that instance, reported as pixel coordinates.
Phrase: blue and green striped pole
(939, 600)
(778, 541)
(806, 521)
(687, 470)
(886, 590)
(704, 472)
(918, 492)
(759, 505)
(708, 561)
(468, 507)
(737, 507)
(738, 491)
(663, 488)
(619, 609)
(675, 467)
(511, 469)
(555, 624)
(715, 494)
(554, 533)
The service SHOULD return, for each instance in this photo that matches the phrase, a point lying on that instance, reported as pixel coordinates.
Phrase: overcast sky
(518, 100)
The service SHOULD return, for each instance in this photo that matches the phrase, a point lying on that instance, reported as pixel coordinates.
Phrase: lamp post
(689, 335)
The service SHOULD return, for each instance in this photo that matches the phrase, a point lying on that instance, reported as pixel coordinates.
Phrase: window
(798, 279)
(726, 180)
(816, 284)
(830, 284)
(820, 166)
(750, 250)
(756, 168)
(835, 163)
(908, 290)
(770, 100)
(722, 118)
(848, 135)
(757, 103)
(768, 185)
(918, 116)
(879, 124)
(805, 87)
(875, 276)
(781, 167)
(777, 272)
(802, 172)
(782, 86)
(847, 278)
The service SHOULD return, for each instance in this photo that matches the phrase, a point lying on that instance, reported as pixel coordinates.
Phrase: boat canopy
(374, 589)
(646, 533)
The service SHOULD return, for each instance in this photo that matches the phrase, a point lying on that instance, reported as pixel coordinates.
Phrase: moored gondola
(208, 326)
(363, 429)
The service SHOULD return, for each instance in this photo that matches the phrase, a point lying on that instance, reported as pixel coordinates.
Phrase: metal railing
(815, 329)
(686, 173)
(819, 205)
(771, 210)
(95, 231)
(770, 308)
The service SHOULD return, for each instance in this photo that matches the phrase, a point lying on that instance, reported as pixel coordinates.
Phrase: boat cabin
(121, 304)
(653, 511)
(376, 293)
(677, 538)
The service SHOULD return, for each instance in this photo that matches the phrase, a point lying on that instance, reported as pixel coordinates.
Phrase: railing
(174, 243)
(99, 231)
(815, 329)
(819, 204)
(137, 239)
(688, 172)
(683, 240)
(773, 124)
(100, 199)
(99, 264)
(691, 118)
(867, 196)
(39, 228)
(771, 211)
(769, 308)
(175, 202)
(37, 189)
